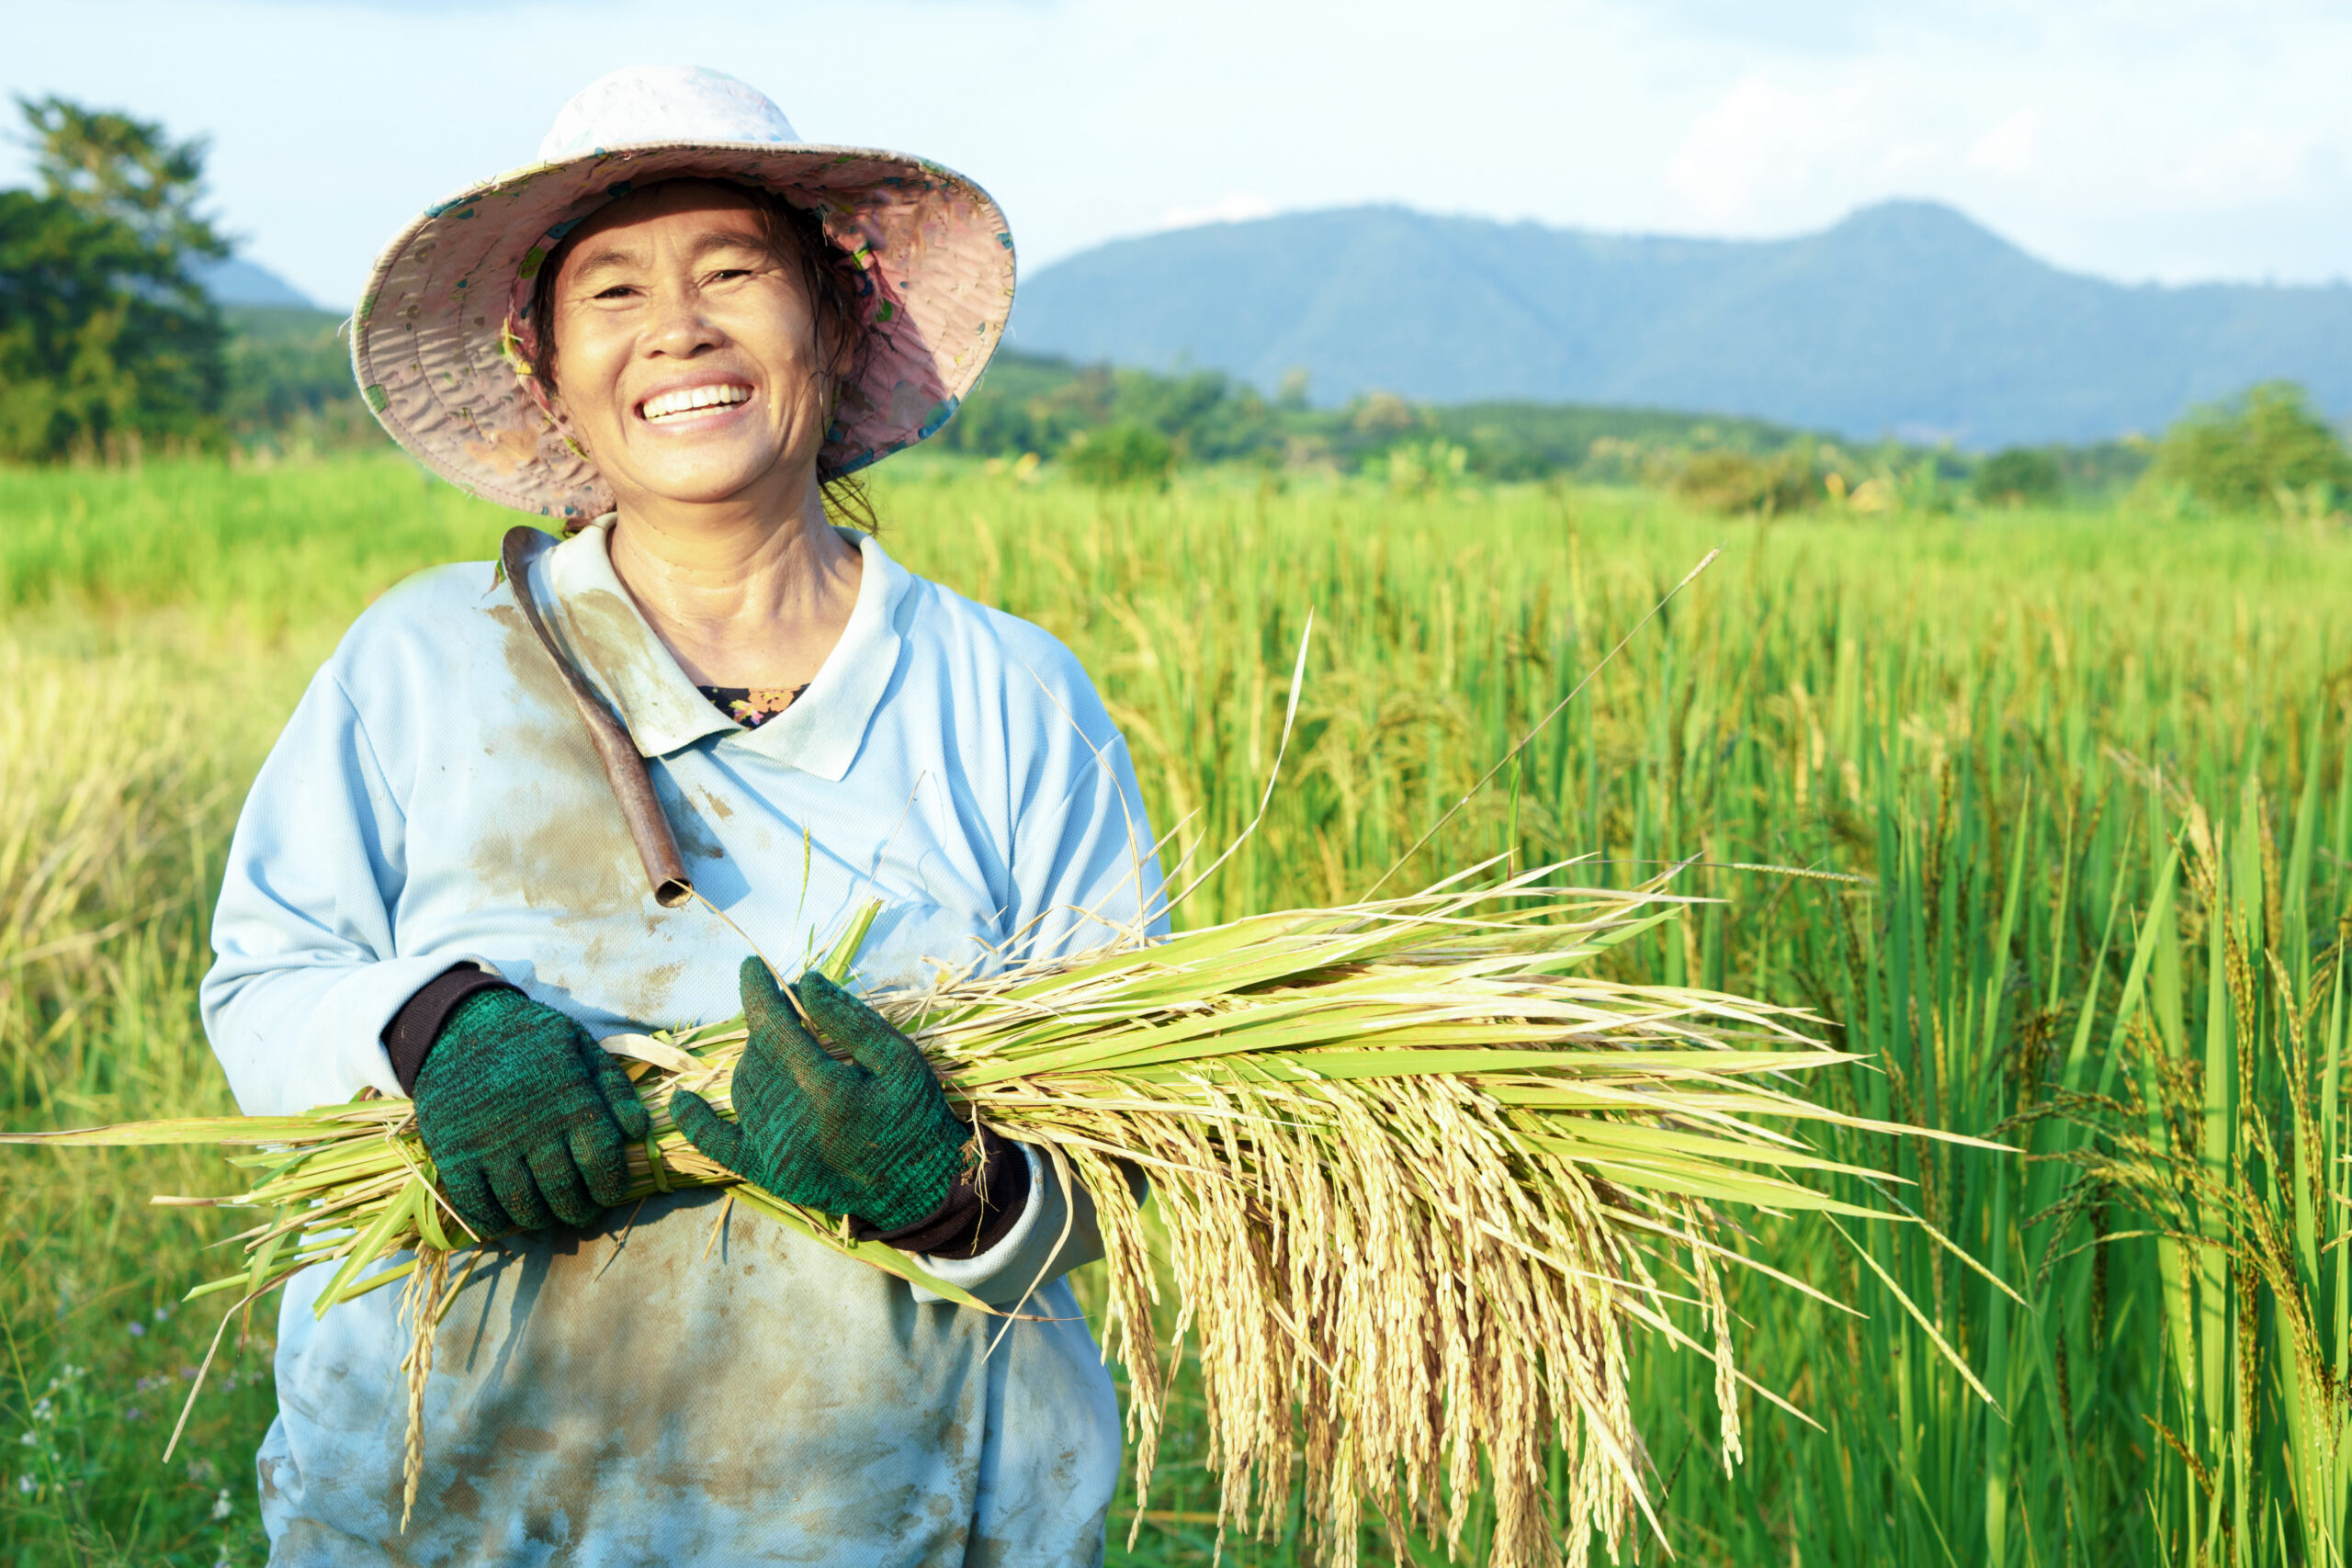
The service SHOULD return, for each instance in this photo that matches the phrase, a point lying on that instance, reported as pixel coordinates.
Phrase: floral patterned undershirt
(752, 706)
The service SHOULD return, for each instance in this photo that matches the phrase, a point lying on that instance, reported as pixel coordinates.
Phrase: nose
(680, 327)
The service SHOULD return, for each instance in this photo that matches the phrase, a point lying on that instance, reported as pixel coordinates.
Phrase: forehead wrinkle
(603, 254)
(711, 240)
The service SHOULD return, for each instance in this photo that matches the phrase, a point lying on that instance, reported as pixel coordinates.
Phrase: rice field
(2081, 779)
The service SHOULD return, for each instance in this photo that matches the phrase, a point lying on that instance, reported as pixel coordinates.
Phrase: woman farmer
(678, 334)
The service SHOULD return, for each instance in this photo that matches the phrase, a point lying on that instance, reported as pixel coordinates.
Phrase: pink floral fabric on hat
(441, 342)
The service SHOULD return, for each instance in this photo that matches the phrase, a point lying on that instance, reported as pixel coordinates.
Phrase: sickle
(624, 767)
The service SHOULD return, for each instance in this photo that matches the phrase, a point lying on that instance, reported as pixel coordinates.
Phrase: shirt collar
(593, 615)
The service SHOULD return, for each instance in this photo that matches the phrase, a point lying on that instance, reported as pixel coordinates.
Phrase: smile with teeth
(689, 399)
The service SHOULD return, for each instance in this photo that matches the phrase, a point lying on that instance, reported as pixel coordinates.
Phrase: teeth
(688, 399)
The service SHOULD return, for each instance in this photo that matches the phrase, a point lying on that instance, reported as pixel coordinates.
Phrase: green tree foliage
(2019, 476)
(1028, 404)
(1123, 453)
(1739, 482)
(1527, 441)
(106, 340)
(289, 380)
(108, 165)
(2250, 451)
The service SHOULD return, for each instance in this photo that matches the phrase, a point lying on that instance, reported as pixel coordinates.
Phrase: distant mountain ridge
(1908, 319)
(237, 282)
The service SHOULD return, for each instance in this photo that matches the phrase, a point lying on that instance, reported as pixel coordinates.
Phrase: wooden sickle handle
(624, 767)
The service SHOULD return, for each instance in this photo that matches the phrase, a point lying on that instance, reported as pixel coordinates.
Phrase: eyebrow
(606, 256)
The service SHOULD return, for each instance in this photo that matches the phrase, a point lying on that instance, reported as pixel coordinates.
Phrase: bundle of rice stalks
(1418, 1174)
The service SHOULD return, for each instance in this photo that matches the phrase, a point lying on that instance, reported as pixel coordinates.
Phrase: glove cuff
(987, 1196)
(408, 1038)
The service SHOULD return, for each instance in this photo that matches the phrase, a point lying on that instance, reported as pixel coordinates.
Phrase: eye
(615, 292)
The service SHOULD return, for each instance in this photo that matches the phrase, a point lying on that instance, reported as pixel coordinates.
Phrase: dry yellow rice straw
(1417, 1170)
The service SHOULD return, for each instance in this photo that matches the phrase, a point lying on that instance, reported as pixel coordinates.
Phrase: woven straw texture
(430, 344)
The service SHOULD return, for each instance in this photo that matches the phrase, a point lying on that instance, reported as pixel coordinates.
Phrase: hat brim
(425, 344)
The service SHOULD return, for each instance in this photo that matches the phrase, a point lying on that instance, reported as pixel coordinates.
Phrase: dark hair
(836, 287)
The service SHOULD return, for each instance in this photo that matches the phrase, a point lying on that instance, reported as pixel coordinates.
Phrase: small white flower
(27, 1484)
(43, 1410)
(31, 1439)
(221, 1506)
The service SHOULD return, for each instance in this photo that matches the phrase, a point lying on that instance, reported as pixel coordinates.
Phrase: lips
(681, 401)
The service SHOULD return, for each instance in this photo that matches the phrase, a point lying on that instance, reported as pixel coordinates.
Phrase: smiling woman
(681, 332)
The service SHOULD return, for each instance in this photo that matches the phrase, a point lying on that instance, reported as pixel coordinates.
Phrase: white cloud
(1904, 155)
(1233, 207)
(1793, 146)
(2250, 160)
(1759, 143)
(2102, 155)
(2010, 148)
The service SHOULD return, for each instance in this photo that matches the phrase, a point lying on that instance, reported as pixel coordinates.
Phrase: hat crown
(663, 103)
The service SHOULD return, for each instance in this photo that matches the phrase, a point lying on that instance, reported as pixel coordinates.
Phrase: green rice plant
(2222, 1130)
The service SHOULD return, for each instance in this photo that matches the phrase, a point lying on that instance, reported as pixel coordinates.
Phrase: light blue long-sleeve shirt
(675, 1385)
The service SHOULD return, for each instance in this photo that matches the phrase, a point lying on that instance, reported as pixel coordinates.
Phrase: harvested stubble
(1419, 1173)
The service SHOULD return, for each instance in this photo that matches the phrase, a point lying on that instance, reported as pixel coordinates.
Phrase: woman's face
(687, 358)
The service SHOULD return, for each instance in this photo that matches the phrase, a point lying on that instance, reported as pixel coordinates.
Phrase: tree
(106, 165)
(2019, 476)
(1740, 481)
(106, 337)
(1121, 454)
(2245, 454)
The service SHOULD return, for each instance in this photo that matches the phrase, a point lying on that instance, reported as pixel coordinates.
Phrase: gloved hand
(527, 1121)
(872, 1137)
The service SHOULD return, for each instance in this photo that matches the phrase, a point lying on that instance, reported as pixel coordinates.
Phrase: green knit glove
(527, 1121)
(871, 1137)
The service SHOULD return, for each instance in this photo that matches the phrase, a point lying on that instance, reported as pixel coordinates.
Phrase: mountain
(1905, 319)
(234, 282)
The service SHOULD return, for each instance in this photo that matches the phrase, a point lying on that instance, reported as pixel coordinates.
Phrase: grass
(2091, 767)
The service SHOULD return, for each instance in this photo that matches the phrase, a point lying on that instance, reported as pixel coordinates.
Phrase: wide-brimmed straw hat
(442, 342)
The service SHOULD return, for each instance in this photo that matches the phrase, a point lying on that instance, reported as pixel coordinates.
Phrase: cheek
(587, 389)
(785, 334)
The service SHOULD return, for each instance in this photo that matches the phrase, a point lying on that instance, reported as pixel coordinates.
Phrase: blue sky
(2171, 139)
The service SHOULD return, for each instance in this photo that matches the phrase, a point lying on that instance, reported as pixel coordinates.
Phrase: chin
(725, 472)
(699, 485)
(696, 493)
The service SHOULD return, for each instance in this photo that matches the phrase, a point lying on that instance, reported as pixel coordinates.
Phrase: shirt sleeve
(1086, 868)
(307, 972)
(1085, 862)
(1054, 1233)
